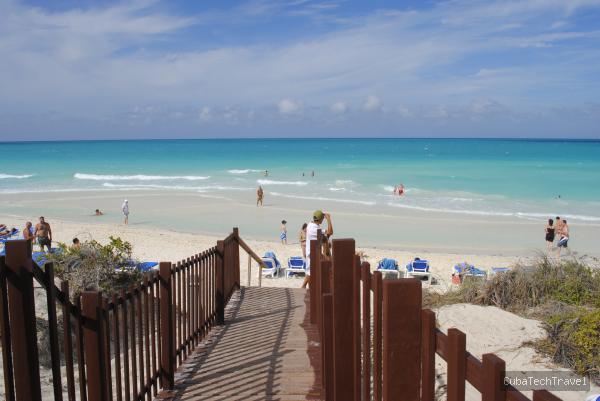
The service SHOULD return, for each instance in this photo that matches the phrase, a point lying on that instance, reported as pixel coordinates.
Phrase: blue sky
(82, 69)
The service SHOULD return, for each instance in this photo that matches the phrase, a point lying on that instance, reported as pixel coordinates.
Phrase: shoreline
(216, 214)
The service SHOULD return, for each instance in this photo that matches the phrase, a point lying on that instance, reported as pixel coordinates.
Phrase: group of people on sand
(41, 234)
(557, 229)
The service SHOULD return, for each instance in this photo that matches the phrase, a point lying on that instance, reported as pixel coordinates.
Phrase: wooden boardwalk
(267, 350)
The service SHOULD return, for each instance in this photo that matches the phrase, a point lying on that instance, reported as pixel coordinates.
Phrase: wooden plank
(220, 283)
(456, 365)
(167, 362)
(343, 320)
(366, 330)
(126, 361)
(91, 309)
(327, 348)
(401, 340)
(21, 312)
(428, 355)
(377, 333)
(493, 378)
(5, 335)
(53, 331)
(68, 340)
(543, 395)
(117, 341)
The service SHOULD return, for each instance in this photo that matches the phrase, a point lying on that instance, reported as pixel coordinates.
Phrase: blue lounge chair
(417, 268)
(388, 266)
(465, 269)
(40, 258)
(271, 255)
(296, 265)
(10, 235)
(270, 268)
(147, 266)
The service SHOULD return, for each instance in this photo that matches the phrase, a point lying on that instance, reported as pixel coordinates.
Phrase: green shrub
(96, 267)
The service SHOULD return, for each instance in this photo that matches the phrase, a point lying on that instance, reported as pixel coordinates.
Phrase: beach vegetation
(96, 266)
(564, 295)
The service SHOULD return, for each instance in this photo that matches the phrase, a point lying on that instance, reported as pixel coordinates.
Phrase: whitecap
(273, 182)
(244, 171)
(137, 177)
(16, 177)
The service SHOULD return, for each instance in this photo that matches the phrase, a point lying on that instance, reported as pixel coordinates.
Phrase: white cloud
(372, 103)
(205, 114)
(288, 106)
(339, 107)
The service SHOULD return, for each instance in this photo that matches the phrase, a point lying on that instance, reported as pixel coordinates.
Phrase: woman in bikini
(550, 234)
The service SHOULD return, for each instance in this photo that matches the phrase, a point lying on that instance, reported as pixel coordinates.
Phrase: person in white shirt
(311, 234)
(125, 209)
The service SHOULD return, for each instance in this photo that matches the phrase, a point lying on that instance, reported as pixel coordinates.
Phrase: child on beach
(283, 235)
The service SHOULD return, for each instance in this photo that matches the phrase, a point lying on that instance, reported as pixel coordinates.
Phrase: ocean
(529, 179)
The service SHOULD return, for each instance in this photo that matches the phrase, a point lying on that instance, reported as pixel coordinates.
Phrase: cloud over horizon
(272, 68)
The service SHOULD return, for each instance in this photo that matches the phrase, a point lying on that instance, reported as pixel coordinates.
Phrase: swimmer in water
(399, 190)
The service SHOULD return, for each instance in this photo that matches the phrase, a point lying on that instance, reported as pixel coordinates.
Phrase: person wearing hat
(312, 230)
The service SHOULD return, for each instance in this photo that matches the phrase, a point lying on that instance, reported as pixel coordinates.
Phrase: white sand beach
(488, 329)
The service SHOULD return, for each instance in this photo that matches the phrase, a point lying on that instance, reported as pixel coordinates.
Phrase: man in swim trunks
(43, 233)
(259, 196)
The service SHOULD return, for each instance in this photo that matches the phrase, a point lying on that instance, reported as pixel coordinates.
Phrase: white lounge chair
(296, 264)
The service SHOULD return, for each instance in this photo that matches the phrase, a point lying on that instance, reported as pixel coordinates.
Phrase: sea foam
(273, 182)
(16, 177)
(137, 177)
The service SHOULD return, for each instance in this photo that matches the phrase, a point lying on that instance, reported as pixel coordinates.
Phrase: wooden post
(344, 387)
(366, 330)
(9, 387)
(377, 312)
(457, 364)
(95, 365)
(401, 340)
(21, 307)
(68, 340)
(493, 378)
(220, 277)
(428, 345)
(326, 323)
(356, 301)
(236, 258)
(167, 349)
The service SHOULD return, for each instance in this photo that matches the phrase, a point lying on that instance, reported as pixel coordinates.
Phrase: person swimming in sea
(399, 190)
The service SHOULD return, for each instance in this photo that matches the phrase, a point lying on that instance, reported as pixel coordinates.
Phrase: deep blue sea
(522, 178)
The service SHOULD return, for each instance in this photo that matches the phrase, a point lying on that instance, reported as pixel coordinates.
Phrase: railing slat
(91, 309)
(68, 341)
(53, 332)
(126, 360)
(6, 335)
(428, 355)
(493, 378)
(377, 314)
(401, 340)
(117, 341)
(167, 355)
(457, 361)
(366, 330)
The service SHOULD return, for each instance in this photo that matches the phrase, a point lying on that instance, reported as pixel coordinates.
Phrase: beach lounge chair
(146, 266)
(417, 268)
(10, 235)
(270, 269)
(296, 265)
(388, 266)
(461, 270)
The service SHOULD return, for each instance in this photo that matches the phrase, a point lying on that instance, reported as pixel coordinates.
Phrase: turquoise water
(522, 178)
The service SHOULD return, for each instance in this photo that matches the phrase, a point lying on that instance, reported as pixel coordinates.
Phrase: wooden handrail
(253, 255)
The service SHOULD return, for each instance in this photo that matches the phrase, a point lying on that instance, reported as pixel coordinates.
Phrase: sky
(82, 69)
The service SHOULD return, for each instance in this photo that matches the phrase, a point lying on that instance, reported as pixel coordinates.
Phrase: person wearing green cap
(312, 231)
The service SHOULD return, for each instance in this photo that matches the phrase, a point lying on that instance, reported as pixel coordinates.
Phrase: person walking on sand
(564, 237)
(259, 195)
(28, 235)
(43, 233)
(550, 234)
(302, 238)
(558, 223)
(125, 209)
(283, 235)
(312, 230)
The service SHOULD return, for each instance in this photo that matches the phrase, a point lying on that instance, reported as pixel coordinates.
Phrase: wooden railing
(389, 354)
(124, 348)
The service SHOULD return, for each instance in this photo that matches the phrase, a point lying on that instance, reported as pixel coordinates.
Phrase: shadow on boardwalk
(265, 351)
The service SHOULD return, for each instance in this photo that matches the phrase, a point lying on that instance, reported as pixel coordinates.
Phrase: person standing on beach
(564, 237)
(312, 230)
(302, 238)
(125, 209)
(259, 195)
(283, 235)
(43, 233)
(28, 235)
(550, 234)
